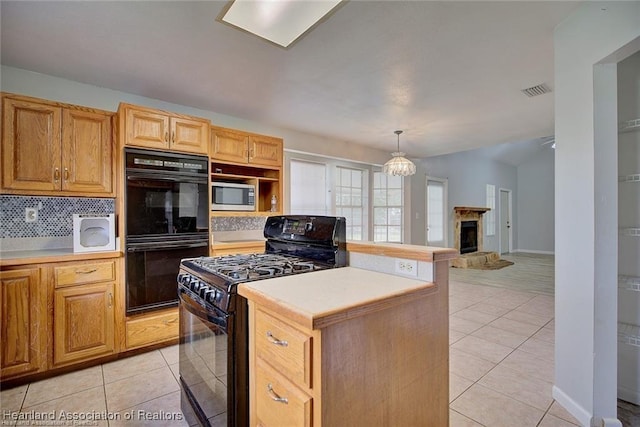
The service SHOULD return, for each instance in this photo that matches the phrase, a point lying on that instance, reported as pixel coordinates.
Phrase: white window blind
(435, 212)
(308, 188)
(490, 216)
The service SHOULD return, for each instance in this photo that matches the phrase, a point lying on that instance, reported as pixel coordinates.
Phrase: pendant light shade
(399, 165)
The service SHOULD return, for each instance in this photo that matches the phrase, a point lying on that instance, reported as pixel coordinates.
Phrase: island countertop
(318, 299)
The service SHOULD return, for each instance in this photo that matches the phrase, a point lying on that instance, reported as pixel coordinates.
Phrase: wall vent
(540, 89)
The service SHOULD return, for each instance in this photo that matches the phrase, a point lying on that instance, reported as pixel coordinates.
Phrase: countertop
(10, 258)
(318, 299)
(401, 250)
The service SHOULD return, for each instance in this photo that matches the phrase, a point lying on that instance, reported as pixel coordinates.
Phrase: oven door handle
(155, 177)
(144, 247)
(211, 314)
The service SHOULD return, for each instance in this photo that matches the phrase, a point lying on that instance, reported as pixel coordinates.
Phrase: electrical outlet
(30, 214)
(407, 267)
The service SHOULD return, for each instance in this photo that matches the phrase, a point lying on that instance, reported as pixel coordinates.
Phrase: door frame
(510, 206)
(445, 220)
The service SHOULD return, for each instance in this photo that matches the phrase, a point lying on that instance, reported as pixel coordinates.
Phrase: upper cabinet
(144, 127)
(248, 158)
(234, 146)
(57, 149)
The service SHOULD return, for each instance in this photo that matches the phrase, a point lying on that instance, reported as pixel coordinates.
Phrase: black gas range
(213, 352)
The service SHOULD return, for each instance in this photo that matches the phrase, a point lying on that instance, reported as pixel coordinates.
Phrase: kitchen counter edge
(15, 258)
(399, 250)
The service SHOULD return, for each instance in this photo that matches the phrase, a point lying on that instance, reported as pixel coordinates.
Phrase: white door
(505, 221)
(436, 212)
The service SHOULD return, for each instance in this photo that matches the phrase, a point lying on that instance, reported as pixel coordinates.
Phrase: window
(490, 216)
(387, 208)
(349, 200)
(308, 195)
(436, 211)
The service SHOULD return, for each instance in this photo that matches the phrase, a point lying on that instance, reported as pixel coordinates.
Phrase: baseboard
(533, 251)
(578, 412)
(628, 395)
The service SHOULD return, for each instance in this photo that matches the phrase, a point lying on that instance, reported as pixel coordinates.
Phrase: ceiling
(448, 73)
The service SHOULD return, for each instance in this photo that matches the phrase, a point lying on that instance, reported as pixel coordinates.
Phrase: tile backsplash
(54, 214)
(237, 223)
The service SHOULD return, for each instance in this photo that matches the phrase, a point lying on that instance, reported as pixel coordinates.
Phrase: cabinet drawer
(278, 402)
(152, 329)
(77, 274)
(284, 347)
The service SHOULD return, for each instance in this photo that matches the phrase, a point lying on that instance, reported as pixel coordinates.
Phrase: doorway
(505, 221)
(436, 212)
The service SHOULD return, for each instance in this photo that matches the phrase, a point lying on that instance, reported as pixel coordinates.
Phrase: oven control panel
(209, 295)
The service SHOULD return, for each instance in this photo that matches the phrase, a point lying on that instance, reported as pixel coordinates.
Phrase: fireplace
(468, 236)
(468, 228)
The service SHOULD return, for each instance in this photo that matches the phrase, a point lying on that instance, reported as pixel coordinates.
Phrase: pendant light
(399, 165)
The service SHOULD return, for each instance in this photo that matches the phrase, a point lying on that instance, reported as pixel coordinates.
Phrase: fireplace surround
(467, 215)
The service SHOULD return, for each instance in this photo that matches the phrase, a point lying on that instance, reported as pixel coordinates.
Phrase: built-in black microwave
(232, 196)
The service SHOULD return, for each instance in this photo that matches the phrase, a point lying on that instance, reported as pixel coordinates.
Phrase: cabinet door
(23, 323)
(83, 322)
(146, 129)
(30, 146)
(230, 146)
(86, 152)
(265, 150)
(189, 135)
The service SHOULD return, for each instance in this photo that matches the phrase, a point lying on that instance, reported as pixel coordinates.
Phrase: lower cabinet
(83, 323)
(57, 314)
(23, 322)
(83, 310)
(152, 328)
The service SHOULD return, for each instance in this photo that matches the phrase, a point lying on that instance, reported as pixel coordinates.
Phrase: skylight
(280, 21)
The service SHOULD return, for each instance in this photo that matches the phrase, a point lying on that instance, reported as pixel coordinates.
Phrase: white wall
(585, 196)
(629, 216)
(468, 175)
(536, 203)
(44, 86)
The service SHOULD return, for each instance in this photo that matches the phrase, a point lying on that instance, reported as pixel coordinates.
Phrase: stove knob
(194, 284)
(203, 290)
(210, 296)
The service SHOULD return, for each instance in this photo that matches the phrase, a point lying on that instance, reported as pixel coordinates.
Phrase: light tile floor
(501, 371)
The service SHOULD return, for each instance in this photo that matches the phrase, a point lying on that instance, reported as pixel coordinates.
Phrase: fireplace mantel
(469, 209)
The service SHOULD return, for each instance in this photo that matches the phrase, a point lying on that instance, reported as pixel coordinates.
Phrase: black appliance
(213, 349)
(167, 219)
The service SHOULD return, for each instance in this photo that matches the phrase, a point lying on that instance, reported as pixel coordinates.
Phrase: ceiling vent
(540, 89)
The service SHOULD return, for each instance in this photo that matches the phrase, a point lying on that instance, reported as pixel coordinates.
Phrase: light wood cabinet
(23, 323)
(153, 328)
(243, 157)
(54, 148)
(83, 311)
(144, 127)
(228, 145)
(318, 357)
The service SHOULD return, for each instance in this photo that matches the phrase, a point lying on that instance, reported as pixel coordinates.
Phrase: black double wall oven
(167, 219)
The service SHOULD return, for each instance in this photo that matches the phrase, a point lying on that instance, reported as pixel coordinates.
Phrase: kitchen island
(352, 346)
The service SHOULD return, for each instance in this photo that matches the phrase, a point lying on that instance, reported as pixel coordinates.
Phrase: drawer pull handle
(274, 340)
(66, 174)
(274, 396)
(88, 271)
(110, 300)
